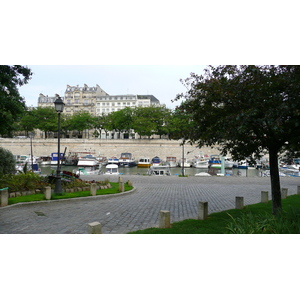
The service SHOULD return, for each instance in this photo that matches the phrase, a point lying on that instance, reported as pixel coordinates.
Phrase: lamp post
(182, 163)
(31, 134)
(59, 107)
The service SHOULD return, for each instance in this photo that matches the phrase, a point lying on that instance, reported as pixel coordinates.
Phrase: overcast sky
(162, 81)
(141, 48)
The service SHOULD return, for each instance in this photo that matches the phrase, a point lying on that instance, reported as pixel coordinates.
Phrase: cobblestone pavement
(138, 209)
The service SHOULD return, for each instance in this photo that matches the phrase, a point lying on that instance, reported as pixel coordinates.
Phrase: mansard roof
(152, 98)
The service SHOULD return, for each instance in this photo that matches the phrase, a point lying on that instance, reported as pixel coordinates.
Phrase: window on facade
(119, 103)
(103, 104)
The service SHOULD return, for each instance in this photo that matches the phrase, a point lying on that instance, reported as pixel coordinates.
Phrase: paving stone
(140, 209)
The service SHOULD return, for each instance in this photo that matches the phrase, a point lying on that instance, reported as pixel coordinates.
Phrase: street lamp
(31, 134)
(182, 163)
(59, 107)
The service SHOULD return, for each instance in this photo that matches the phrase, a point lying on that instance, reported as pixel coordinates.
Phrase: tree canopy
(246, 111)
(12, 105)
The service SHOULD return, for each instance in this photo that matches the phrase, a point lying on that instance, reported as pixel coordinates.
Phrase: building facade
(96, 101)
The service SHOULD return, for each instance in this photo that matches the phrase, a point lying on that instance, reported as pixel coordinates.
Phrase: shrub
(7, 162)
(23, 182)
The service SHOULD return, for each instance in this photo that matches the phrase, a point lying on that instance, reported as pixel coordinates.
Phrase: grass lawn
(256, 218)
(40, 197)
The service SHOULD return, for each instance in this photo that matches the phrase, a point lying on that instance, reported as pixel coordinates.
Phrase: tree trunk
(275, 181)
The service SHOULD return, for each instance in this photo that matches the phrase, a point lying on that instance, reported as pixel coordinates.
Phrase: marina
(47, 170)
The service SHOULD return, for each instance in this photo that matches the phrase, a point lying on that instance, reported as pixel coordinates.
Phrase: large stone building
(96, 101)
(108, 104)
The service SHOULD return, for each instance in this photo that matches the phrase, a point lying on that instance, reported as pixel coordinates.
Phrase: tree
(180, 124)
(247, 111)
(81, 121)
(122, 120)
(28, 121)
(143, 121)
(12, 105)
(45, 119)
(7, 162)
(160, 115)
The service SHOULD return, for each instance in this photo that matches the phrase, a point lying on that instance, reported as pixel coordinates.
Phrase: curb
(97, 197)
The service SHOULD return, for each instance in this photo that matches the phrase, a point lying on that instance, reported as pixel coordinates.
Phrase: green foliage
(12, 105)
(143, 123)
(180, 124)
(29, 121)
(122, 120)
(23, 182)
(7, 162)
(81, 121)
(283, 223)
(246, 111)
(45, 119)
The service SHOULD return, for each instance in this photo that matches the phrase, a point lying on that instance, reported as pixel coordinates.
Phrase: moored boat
(88, 170)
(45, 160)
(144, 162)
(202, 174)
(186, 163)
(54, 158)
(127, 160)
(200, 163)
(156, 161)
(113, 160)
(88, 161)
(111, 169)
(159, 170)
(215, 161)
(171, 160)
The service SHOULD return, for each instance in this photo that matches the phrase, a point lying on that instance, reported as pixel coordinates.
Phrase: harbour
(47, 170)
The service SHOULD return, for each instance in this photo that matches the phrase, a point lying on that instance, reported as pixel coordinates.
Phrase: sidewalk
(139, 209)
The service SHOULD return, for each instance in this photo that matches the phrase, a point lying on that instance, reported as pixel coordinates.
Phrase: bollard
(121, 187)
(284, 193)
(298, 190)
(164, 219)
(47, 193)
(95, 228)
(239, 202)
(264, 197)
(202, 210)
(93, 189)
(3, 198)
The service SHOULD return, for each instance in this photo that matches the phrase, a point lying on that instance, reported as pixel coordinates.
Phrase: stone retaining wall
(108, 148)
